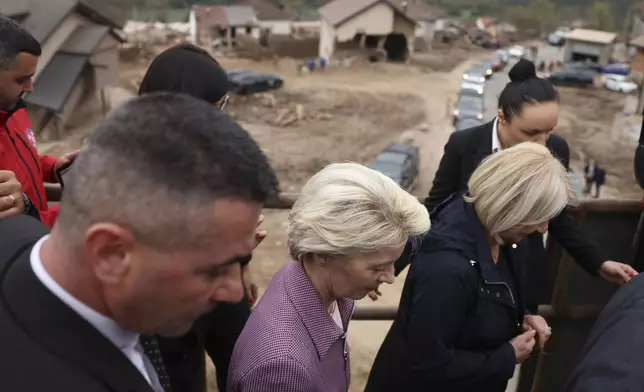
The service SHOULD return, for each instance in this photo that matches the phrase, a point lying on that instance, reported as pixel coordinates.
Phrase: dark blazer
(216, 333)
(463, 153)
(613, 356)
(46, 346)
(456, 314)
(183, 357)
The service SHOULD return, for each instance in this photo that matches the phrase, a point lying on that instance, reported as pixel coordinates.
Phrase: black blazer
(46, 346)
(463, 153)
(41, 336)
(457, 312)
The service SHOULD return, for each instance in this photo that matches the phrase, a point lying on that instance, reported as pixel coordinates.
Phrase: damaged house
(79, 58)
(381, 25)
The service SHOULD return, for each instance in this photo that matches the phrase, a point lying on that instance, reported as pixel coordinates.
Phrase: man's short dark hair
(156, 161)
(15, 39)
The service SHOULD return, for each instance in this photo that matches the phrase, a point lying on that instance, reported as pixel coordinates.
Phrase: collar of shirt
(496, 143)
(120, 337)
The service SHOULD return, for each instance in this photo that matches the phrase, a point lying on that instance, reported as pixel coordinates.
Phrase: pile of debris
(267, 107)
(156, 33)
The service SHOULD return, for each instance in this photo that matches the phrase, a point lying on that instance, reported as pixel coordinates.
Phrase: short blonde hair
(520, 186)
(347, 209)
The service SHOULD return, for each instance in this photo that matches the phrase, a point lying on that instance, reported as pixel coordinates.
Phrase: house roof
(55, 83)
(210, 15)
(218, 15)
(638, 42)
(420, 10)
(339, 11)
(268, 11)
(44, 16)
(592, 36)
(85, 39)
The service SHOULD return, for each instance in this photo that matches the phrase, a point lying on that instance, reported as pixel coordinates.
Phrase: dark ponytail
(525, 87)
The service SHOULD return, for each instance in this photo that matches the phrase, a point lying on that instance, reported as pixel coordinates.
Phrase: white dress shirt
(496, 143)
(126, 341)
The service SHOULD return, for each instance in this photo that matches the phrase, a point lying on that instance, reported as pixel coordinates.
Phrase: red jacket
(18, 153)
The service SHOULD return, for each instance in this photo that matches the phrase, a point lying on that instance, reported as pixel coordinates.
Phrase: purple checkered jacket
(290, 342)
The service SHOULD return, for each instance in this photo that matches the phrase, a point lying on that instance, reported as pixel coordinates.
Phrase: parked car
(472, 89)
(467, 123)
(478, 73)
(617, 69)
(583, 66)
(619, 83)
(516, 51)
(556, 39)
(572, 77)
(244, 82)
(468, 107)
(400, 162)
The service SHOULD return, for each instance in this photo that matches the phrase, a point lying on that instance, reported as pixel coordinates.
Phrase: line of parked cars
(470, 106)
(613, 77)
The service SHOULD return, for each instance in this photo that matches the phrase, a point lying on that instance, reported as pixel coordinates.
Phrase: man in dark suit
(152, 224)
(466, 149)
(614, 352)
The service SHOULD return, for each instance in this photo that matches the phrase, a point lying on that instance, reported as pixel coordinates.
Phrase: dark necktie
(151, 347)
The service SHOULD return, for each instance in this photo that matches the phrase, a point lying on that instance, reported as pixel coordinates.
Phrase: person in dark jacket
(190, 70)
(461, 324)
(613, 356)
(528, 111)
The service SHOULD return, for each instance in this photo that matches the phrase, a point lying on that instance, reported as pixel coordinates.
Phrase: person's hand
(11, 201)
(260, 234)
(65, 159)
(616, 272)
(523, 345)
(538, 324)
(373, 295)
(249, 286)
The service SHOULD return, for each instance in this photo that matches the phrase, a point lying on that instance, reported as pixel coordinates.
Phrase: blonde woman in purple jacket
(346, 229)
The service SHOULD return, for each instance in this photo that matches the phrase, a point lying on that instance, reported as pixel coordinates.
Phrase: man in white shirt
(157, 208)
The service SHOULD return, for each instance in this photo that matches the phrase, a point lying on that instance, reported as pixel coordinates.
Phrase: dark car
(467, 123)
(478, 73)
(471, 89)
(583, 66)
(400, 162)
(572, 77)
(468, 107)
(244, 82)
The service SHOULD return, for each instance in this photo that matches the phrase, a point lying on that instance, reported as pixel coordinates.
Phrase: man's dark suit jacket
(614, 352)
(463, 153)
(47, 346)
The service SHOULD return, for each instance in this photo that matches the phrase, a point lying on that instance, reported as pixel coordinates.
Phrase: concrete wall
(277, 27)
(377, 20)
(327, 40)
(105, 61)
(603, 51)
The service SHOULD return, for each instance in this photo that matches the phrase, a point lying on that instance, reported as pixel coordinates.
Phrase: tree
(545, 14)
(601, 15)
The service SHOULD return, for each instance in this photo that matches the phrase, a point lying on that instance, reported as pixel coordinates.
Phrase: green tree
(544, 13)
(601, 15)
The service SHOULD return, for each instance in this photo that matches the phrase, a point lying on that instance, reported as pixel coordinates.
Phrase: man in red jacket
(22, 171)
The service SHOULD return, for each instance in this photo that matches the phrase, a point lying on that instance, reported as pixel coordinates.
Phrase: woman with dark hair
(191, 70)
(528, 112)
(187, 69)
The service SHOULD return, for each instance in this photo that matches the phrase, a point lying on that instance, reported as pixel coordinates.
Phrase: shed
(589, 45)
